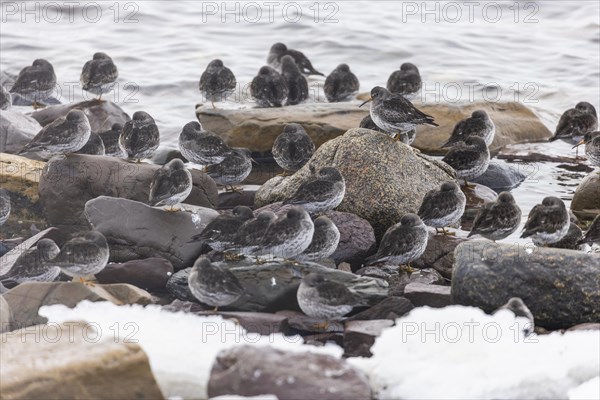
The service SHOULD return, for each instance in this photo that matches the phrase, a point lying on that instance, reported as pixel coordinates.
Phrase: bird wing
(399, 241)
(537, 220)
(335, 294)
(78, 250)
(312, 191)
(397, 109)
(435, 205)
(167, 183)
(462, 155)
(52, 134)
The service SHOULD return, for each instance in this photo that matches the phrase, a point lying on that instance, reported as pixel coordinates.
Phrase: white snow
(181, 347)
(462, 353)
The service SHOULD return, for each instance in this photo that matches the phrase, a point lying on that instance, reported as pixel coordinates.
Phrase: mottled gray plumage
(171, 184)
(406, 81)
(5, 99)
(220, 232)
(268, 88)
(35, 264)
(213, 285)
(36, 82)
(403, 242)
(478, 124)
(4, 206)
(99, 75)
(83, 255)
(406, 137)
(64, 135)
(576, 122)
(294, 80)
(592, 147)
(287, 236)
(592, 235)
(547, 222)
(570, 240)
(469, 159)
(94, 146)
(319, 297)
(279, 50)
(443, 207)
(217, 81)
(322, 193)
(324, 242)
(249, 237)
(110, 139)
(341, 84)
(393, 113)
(498, 219)
(201, 146)
(233, 169)
(293, 148)
(140, 136)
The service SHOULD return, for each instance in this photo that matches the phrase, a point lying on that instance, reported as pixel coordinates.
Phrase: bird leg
(232, 257)
(321, 326)
(172, 209)
(446, 233)
(233, 189)
(84, 281)
(467, 186)
(213, 105)
(408, 268)
(285, 173)
(37, 105)
(437, 230)
(260, 261)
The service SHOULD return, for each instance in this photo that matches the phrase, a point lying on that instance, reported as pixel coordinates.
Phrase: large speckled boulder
(102, 114)
(257, 128)
(560, 287)
(385, 179)
(586, 200)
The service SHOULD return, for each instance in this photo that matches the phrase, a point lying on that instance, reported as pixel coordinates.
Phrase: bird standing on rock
(575, 123)
(201, 146)
(478, 124)
(140, 137)
(217, 82)
(324, 242)
(402, 243)
(279, 50)
(35, 83)
(213, 285)
(35, 264)
(470, 159)
(393, 113)
(340, 84)
(83, 256)
(292, 148)
(319, 297)
(64, 135)
(171, 184)
(294, 80)
(220, 233)
(547, 222)
(321, 194)
(99, 75)
(249, 237)
(406, 81)
(497, 219)
(443, 207)
(287, 236)
(233, 169)
(268, 88)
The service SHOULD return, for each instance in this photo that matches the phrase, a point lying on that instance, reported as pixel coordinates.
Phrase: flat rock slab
(561, 287)
(273, 286)
(586, 200)
(72, 361)
(421, 294)
(16, 130)
(101, 114)
(359, 336)
(149, 274)
(390, 308)
(26, 299)
(385, 179)
(67, 183)
(136, 231)
(287, 375)
(257, 128)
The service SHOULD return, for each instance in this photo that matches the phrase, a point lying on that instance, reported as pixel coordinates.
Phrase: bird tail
(430, 122)
(527, 233)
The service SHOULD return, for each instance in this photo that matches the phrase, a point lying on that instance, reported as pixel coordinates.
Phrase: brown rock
(67, 365)
(586, 200)
(150, 274)
(101, 114)
(26, 299)
(439, 254)
(287, 375)
(5, 316)
(589, 326)
(421, 294)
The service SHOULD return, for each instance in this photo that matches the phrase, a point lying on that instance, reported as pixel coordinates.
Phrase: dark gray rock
(586, 199)
(385, 179)
(428, 276)
(357, 238)
(501, 176)
(150, 274)
(359, 336)
(16, 130)
(571, 239)
(101, 114)
(439, 254)
(421, 294)
(560, 287)
(229, 200)
(392, 308)
(136, 231)
(273, 286)
(67, 183)
(287, 375)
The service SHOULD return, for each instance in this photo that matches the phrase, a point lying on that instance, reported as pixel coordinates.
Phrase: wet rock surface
(586, 200)
(150, 274)
(501, 176)
(101, 114)
(16, 130)
(422, 294)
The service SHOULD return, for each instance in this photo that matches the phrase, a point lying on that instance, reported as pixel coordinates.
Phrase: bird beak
(582, 141)
(254, 161)
(365, 102)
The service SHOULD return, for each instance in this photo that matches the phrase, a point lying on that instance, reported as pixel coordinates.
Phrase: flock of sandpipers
(302, 233)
